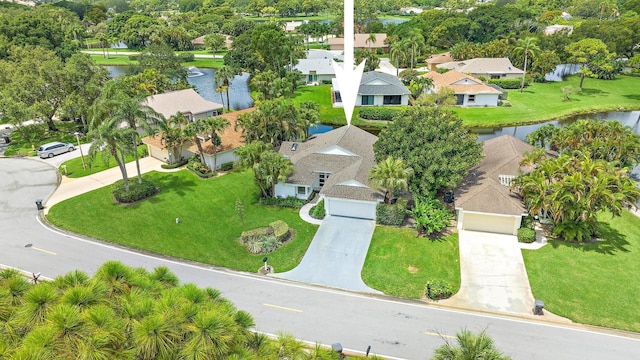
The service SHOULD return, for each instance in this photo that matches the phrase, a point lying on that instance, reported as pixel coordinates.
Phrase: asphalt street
(393, 327)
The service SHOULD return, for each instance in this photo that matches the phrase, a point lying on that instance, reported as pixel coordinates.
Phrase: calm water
(202, 81)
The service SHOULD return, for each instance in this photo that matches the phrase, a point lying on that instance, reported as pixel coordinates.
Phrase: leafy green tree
(164, 59)
(214, 126)
(214, 42)
(371, 60)
(592, 54)
(444, 97)
(137, 30)
(392, 175)
(542, 136)
(268, 167)
(434, 143)
(469, 346)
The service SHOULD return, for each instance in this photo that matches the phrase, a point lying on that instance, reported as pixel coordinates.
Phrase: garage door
(350, 208)
(157, 153)
(489, 223)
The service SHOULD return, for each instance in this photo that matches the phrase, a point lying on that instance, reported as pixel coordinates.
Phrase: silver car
(54, 148)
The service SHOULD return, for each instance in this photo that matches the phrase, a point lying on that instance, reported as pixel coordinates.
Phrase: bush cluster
(280, 230)
(200, 169)
(136, 191)
(186, 57)
(288, 202)
(430, 215)
(265, 239)
(175, 165)
(526, 235)
(392, 214)
(318, 212)
(377, 113)
(440, 289)
(226, 166)
(511, 83)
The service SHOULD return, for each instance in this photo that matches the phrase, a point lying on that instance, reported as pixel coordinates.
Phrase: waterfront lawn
(209, 226)
(544, 101)
(74, 166)
(123, 60)
(400, 264)
(593, 283)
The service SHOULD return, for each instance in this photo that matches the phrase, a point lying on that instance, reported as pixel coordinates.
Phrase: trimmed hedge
(226, 166)
(526, 235)
(511, 83)
(280, 230)
(289, 202)
(265, 239)
(318, 211)
(440, 289)
(377, 113)
(186, 57)
(136, 191)
(393, 214)
(254, 233)
(180, 163)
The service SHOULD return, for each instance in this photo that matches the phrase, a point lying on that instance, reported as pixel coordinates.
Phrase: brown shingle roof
(439, 58)
(360, 41)
(184, 101)
(230, 139)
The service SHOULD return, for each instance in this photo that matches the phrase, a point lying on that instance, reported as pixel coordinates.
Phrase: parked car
(54, 148)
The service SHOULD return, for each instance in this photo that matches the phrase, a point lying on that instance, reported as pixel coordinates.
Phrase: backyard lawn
(593, 283)
(400, 264)
(544, 101)
(209, 226)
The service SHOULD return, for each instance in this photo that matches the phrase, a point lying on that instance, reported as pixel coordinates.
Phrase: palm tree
(111, 140)
(193, 130)
(371, 39)
(392, 175)
(397, 54)
(172, 135)
(214, 126)
(223, 76)
(272, 169)
(469, 347)
(528, 48)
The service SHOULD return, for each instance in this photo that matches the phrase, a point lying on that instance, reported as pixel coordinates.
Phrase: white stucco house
(490, 68)
(336, 164)
(315, 71)
(469, 91)
(376, 89)
(186, 101)
(484, 201)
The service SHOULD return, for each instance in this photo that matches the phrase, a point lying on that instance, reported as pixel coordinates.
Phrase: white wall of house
(163, 154)
(378, 100)
(488, 222)
(350, 208)
(286, 190)
(222, 157)
(480, 100)
(319, 78)
(500, 76)
(205, 115)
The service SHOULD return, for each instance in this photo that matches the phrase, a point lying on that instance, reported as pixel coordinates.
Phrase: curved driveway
(402, 329)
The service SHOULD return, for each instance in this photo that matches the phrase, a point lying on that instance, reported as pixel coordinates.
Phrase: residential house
(484, 201)
(469, 91)
(187, 102)
(361, 41)
(489, 68)
(376, 89)
(552, 29)
(315, 71)
(199, 42)
(336, 164)
(436, 59)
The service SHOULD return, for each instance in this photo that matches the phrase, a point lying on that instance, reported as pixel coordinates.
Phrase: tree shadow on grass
(609, 242)
(592, 92)
(170, 182)
(632, 96)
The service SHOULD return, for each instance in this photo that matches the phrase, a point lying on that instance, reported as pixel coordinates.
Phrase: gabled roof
(324, 54)
(460, 83)
(439, 58)
(199, 41)
(360, 41)
(481, 189)
(184, 101)
(320, 66)
(229, 139)
(379, 83)
(483, 66)
(346, 153)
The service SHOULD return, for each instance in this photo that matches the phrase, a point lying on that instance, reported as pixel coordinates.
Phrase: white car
(54, 148)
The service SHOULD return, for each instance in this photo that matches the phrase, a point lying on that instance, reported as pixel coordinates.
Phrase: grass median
(595, 283)
(209, 226)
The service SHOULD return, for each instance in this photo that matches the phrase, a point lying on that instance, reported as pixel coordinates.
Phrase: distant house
(411, 10)
(490, 68)
(199, 41)
(484, 200)
(552, 29)
(376, 89)
(469, 91)
(361, 41)
(336, 164)
(436, 59)
(315, 71)
(187, 102)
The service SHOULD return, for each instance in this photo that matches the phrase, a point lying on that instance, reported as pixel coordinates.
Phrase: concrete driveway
(336, 255)
(493, 274)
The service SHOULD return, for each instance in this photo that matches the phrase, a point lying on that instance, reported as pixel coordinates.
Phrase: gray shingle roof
(483, 66)
(320, 66)
(184, 101)
(379, 83)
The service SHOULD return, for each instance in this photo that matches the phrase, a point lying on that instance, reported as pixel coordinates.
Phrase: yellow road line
(282, 307)
(44, 251)
(440, 335)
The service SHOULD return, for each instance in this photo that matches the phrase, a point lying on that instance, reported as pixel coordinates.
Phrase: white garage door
(489, 223)
(350, 208)
(157, 153)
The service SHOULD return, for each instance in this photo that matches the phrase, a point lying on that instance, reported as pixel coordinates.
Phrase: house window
(367, 100)
(302, 190)
(472, 98)
(312, 77)
(337, 97)
(209, 113)
(392, 100)
(322, 177)
(495, 77)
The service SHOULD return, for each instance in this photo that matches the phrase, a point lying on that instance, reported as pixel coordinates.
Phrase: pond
(202, 81)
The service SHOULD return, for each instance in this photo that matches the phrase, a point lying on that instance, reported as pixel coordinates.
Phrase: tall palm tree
(214, 126)
(112, 141)
(526, 47)
(272, 169)
(397, 54)
(371, 39)
(223, 76)
(193, 130)
(172, 135)
(469, 346)
(391, 175)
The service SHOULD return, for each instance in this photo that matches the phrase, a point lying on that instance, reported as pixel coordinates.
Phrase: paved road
(401, 329)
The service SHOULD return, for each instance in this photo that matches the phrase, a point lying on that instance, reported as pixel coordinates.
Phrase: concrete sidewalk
(70, 187)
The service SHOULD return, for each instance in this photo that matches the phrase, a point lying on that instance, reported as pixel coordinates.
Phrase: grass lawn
(123, 60)
(594, 283)
(399, 263)
(209, 226)
(74, 166)
(544, 101)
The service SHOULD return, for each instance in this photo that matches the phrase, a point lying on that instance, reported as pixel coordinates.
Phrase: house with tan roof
(361, 41)
(376, 89)
(490, 68)
(484, 200)
(187, 102)
(336, 164)
(436, 59)
(199, 42)
(469, 91)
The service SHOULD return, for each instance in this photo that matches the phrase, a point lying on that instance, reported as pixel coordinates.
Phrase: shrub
(526, 235)
(377, 113)
(200, 169)
(248, 235)
(136, 191)
(511, 83)
(440, 289)
(254, 246)
(430, 215)
(269, 244)
(280, 230)
(134, 57)
(392, 214)
(504, 103)
(226, 166)
(178, 164)
(186, 57)
(527, 222)
(318, 212)
(289, 202)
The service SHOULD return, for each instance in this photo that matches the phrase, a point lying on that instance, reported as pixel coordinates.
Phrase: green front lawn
(592, 283)
(73, 168)
(544, 101)
(399, 263)
(209, 226)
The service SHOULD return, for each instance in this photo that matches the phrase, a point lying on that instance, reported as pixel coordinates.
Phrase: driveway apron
(336, 255)
(493, 275)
